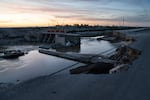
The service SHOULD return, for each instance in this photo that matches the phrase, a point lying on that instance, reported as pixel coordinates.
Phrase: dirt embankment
(16, 36)
(117, 37)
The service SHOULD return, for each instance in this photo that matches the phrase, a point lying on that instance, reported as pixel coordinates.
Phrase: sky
(24, 13)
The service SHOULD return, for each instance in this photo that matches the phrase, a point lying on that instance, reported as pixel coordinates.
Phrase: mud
(126, 55)
(117, 37)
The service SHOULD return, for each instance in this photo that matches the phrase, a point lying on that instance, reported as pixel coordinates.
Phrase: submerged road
(133, 84)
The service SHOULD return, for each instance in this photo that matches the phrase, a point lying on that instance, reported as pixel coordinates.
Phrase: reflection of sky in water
(31, 65)
(93, 46)
(35, 64)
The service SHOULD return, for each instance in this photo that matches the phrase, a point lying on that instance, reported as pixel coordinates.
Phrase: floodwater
(35, 64)
(90, 45)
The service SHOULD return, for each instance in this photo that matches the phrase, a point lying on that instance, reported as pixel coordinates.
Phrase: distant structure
(123, 21)
(61, 37)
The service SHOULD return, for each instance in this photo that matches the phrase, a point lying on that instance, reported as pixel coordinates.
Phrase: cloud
(5, 21)
(69, 16)
(138, 18)
(87, 10)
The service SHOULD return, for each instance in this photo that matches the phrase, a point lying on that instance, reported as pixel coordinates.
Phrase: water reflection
(89, 45)
(70, 49)
(95, 46)
(35, 64)
(31, 65)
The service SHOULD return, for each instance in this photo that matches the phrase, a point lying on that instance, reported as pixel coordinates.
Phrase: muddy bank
(115, 37)
(126, 55)
(20, 36)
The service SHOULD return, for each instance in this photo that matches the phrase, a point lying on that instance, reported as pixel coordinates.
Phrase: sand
(133, 84)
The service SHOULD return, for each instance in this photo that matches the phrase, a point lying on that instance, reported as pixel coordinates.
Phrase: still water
(35, 64)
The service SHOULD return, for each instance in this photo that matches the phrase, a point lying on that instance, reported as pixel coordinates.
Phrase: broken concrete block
(119, 68)
(98, 68)
(126, 55)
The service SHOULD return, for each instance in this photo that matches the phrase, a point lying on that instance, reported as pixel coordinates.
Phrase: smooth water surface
(35, 64)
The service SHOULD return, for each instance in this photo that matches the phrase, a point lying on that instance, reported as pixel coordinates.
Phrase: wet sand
(130, 85)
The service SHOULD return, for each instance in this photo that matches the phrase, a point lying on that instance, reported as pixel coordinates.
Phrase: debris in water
(8, 54)
(124, 56)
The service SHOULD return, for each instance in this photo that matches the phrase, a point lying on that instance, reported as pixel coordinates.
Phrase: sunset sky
(22, 13)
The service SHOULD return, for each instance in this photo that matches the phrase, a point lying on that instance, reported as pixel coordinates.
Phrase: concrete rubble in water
(124, 57)
(116, 37)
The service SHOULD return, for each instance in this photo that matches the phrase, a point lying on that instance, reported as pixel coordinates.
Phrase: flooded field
(34, 64)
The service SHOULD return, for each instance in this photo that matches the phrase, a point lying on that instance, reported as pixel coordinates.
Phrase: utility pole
(123, 21)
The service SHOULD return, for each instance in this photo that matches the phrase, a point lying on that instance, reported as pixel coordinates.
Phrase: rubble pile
(124, 56)
(117, 37)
